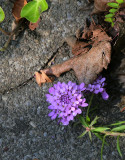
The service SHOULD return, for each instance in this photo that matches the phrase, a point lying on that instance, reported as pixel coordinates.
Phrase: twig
(11, 34)
(6, 33)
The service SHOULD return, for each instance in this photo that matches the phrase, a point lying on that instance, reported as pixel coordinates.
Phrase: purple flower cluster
(66, 100)
(98, 87)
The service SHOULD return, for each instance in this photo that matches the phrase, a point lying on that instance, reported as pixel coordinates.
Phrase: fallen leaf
(18, 5)
(122, 109)
(121, 104)
(86, 66)
(78, 47)
(87, 62)
(33, 26)
(42, 78)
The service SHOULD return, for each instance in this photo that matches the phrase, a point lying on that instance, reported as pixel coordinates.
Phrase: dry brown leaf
(78, 47)
(42, 78)
(86, 66)
(90, 62)
(33, 26)
(18, 5)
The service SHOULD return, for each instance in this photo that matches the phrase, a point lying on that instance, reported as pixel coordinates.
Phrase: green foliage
(116, 129)
(118, 123)
(113, 5)
(82, 134)
(112, 12)
(32, 10)
(120, 1)
(109, 15)
(2, 15)
(100, 129)
(118, 147)
(103, 143)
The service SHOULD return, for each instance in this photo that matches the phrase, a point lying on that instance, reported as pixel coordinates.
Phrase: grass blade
(117, 129)
(118, 147)
(103, 142)
(100, 129)
(82, 120)
(82, 134)
(94, 121)
(90, 135)
(118, 123)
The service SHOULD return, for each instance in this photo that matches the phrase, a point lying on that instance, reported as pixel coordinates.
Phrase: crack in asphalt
(31, 78)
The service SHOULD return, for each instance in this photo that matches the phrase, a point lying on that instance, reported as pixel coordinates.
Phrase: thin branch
(6, 33)
(11, 34)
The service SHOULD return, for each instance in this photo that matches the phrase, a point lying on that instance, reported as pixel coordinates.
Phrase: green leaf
(113, 10)
(94, 121)
(109, 15)
(114, 5)
(82, 134)
(82, 120)
(87, 119)
(31, 11)
(108, 19)
(90, 136)
(2, 15)
(118, 147)
(44, 5)
(103, 142)
(118, 123)
(117, 129)
(100, 129)
(112, 24)
(120, 1)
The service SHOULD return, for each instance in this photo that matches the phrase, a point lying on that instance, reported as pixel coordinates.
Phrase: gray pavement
(26, 131)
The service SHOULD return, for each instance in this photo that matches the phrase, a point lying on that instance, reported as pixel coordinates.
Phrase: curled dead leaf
(78, 47)
(33, 26)
(86, 66)
(42, 78)
(18, 5)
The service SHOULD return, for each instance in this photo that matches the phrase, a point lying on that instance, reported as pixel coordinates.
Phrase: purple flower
(98, 87)
(105, 96)
(65, 100)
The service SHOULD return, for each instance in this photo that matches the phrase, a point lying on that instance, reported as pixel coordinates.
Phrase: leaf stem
(103, 142)
(109, 133)
(89, 105)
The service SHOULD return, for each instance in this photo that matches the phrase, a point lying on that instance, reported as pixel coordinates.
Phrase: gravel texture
(26, 131)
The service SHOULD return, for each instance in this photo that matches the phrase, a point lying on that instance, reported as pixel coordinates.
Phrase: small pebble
(45, 134)
(38, 110)
(32, 124)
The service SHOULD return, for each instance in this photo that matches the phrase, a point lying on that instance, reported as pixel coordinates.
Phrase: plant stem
(89, 105)
(108, 133)
(15, 30)
(6, 33)
(103, 142)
